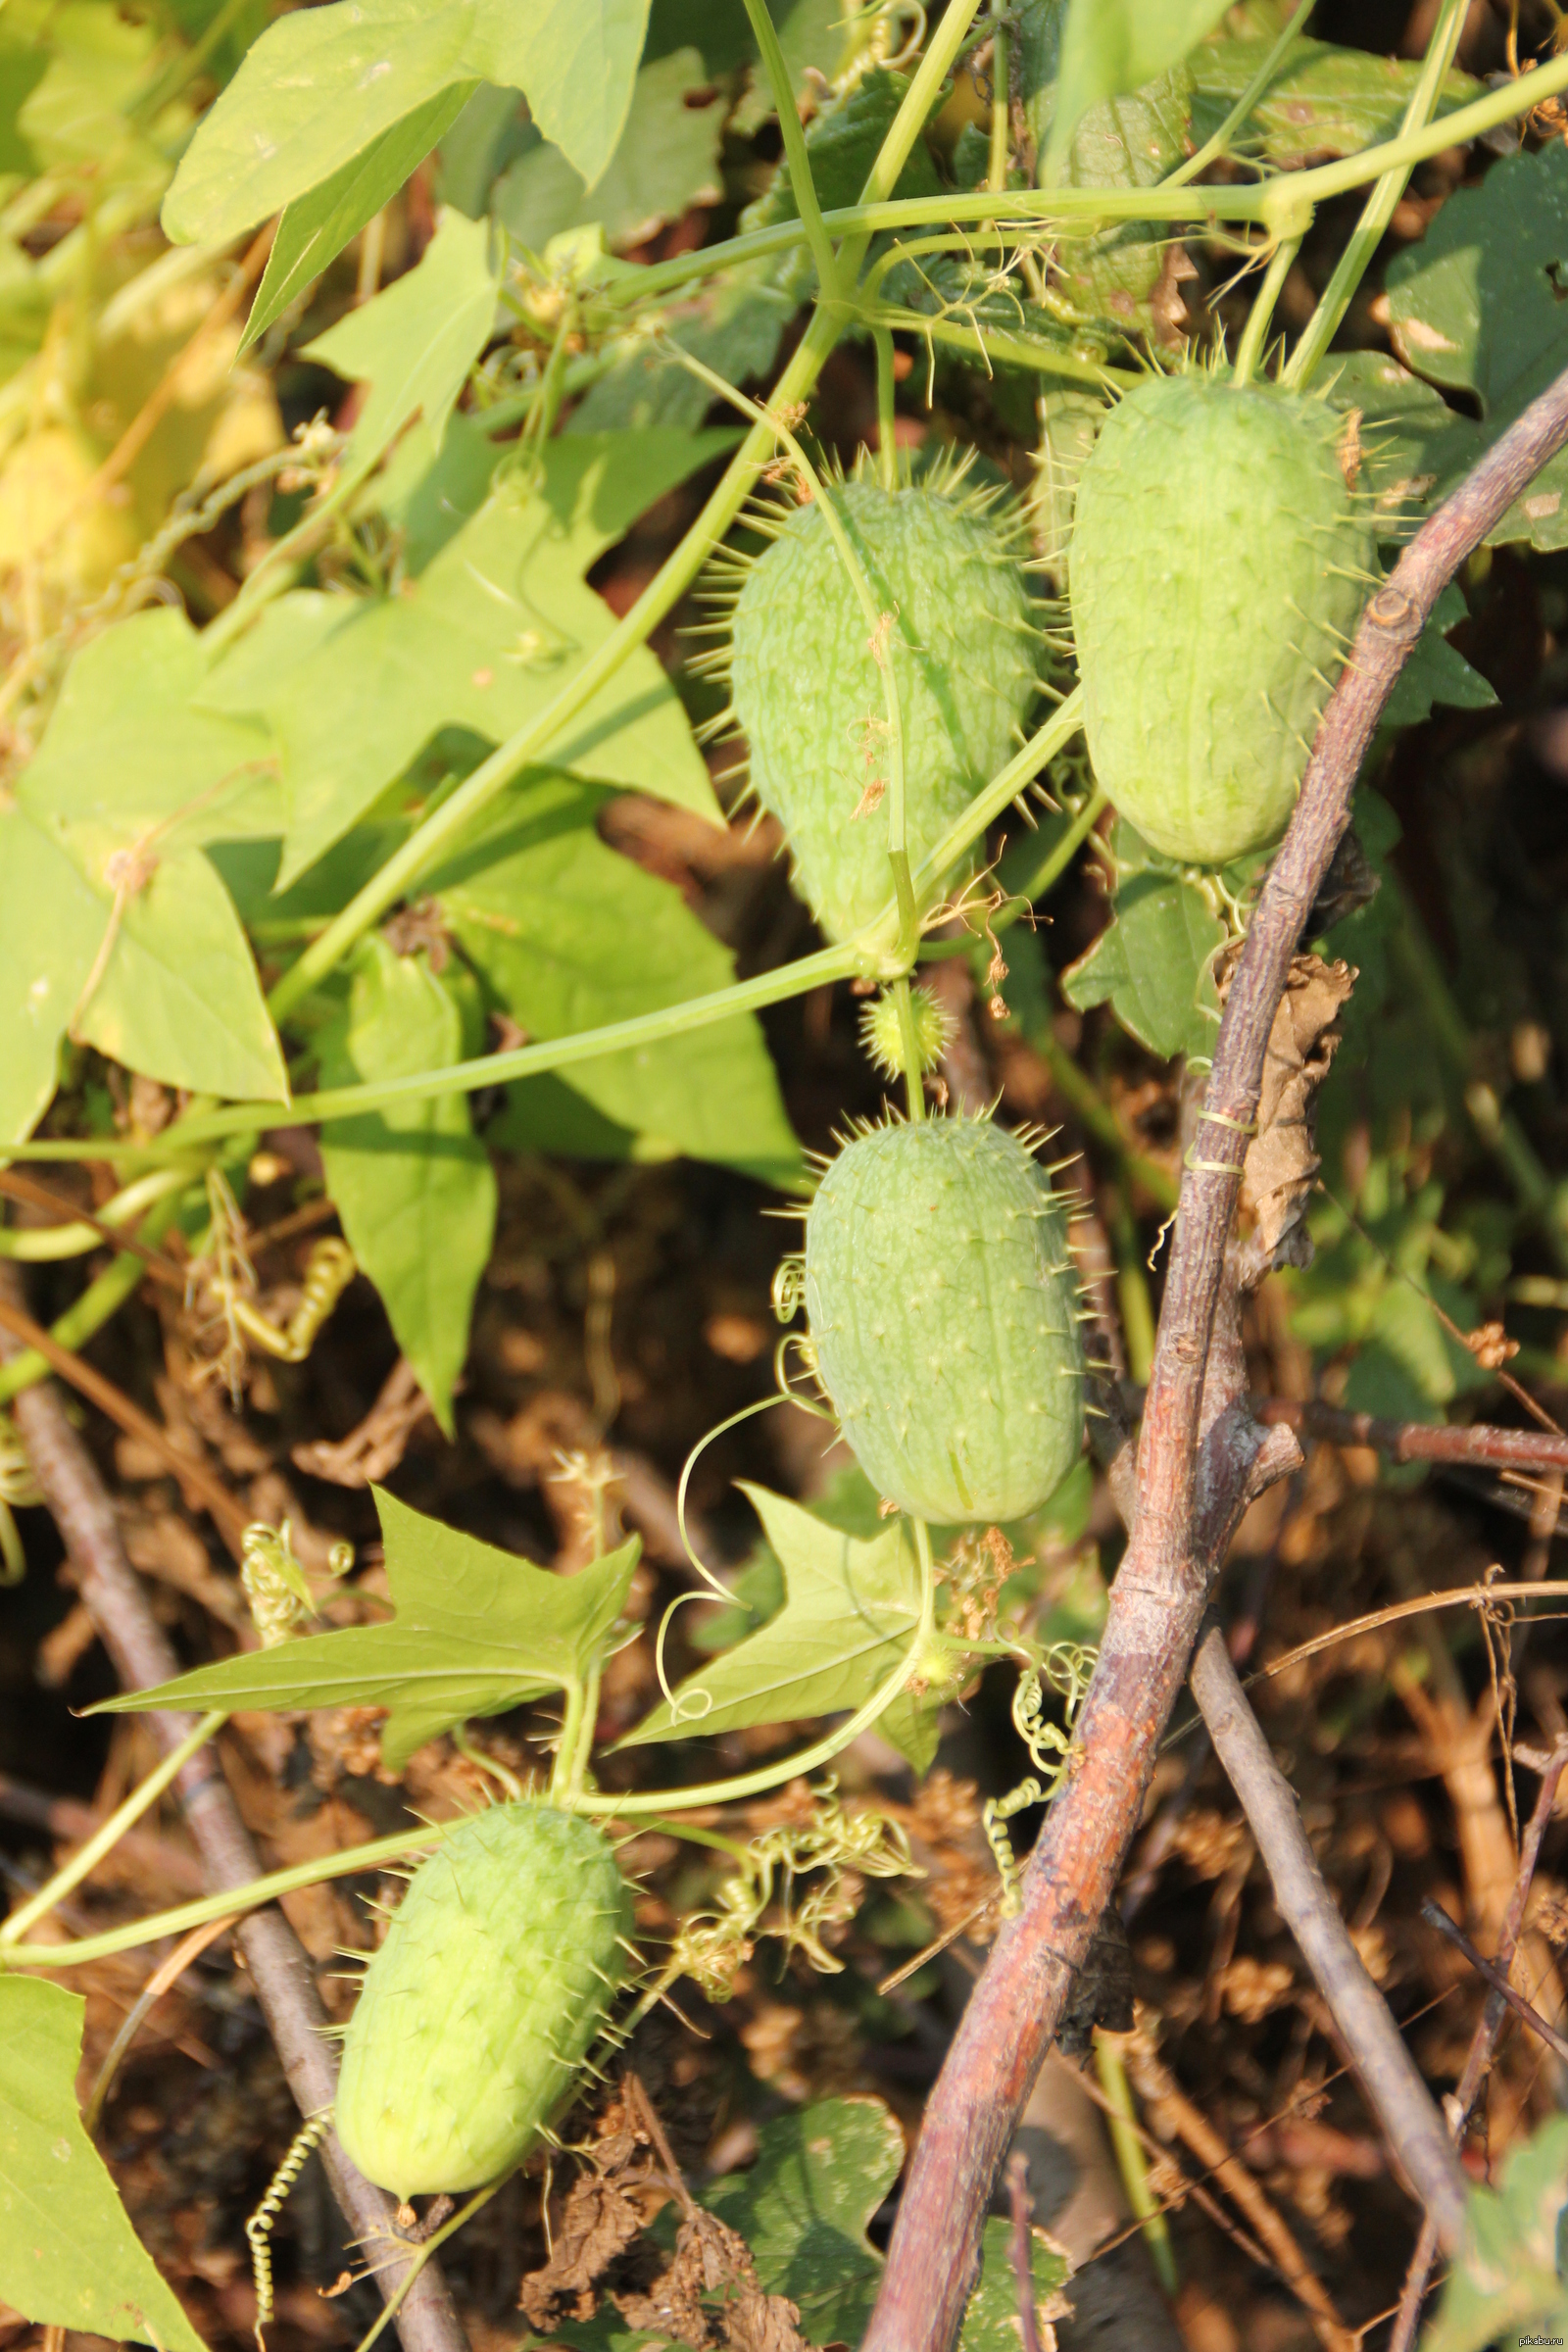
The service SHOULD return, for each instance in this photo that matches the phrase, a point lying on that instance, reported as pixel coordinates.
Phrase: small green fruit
(1219, 565)
(808, 696)
(942, 1308)
(478, 2010)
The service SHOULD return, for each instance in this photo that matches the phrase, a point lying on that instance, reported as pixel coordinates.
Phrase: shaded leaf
(991, 2322)
(21, 68)
(803, 2205)
(476, 1632)
(416, 343)
(1437, 672)
(1321, 100)
(69, 2256)
(850, 1610)
(315, 228)
(667, 160)
(1153, 963)
(1127, 273)
(413, 1183)
(322, 85)
(569, 935)
(1477, 306)
(1112, 47)
(1509, 2272)
(733, 326)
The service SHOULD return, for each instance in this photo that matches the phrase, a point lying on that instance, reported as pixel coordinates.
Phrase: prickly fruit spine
(479, 2009)
(943, 1305)
(1221, 560)
(945, 575)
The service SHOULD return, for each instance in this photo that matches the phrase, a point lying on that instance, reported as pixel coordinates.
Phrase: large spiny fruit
(806, 689)
(478, 2010)
(942, 1306)
(1221, 560)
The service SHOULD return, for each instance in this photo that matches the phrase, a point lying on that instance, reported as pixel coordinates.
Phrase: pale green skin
(1219, 566)
(478, 2010)
(803, 684)
(942, 1302)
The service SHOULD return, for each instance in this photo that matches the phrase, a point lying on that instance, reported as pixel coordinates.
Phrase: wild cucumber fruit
(478, 2010)
(945, 571)
(1219, 565)
(942, 1306)
(882, 1033)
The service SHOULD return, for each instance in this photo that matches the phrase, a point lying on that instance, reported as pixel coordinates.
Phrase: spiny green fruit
(942, 1306)
(478, 2010)
(807, 692)
(882, 1033)
(1219, 563)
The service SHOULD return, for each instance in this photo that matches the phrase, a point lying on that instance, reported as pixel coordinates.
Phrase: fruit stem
(887, 447)
(1249, 349)
(1367, 234)
(914, 1074)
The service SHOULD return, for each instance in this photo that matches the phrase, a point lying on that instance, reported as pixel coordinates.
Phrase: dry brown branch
(279, 1971)
(1483, 2041)
(1420, 1441)
(1190, 1455)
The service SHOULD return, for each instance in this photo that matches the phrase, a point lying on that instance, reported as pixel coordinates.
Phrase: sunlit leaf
(51, 926)
(569, 935)
(416, 343)
(485, 638)
(317, 226)
(322, 85)
(69, 2256)
(412, 1185)
(850, 1611)
(476, 1632)
(991, 2323)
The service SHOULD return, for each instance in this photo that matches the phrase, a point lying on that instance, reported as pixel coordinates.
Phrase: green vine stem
(873, 954)
(803, 187)
(1213, 148)
(1249, 349)
(379, 1851)
(467, 803)
(914, 1072)
(103, 1298)
(108, 1833)
(1367, 234)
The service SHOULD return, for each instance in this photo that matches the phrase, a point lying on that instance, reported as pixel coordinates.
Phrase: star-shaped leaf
(476, 1632)
(849, 1612)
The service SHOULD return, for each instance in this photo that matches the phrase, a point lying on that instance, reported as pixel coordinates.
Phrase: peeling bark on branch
(1160, 1595)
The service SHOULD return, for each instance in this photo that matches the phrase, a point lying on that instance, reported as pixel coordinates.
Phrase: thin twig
(1392, 2082)
(1484, 2040)
(1194, 1476)
(1435, 1917)
(228, 1516)
(1480, 1444)
(1022, 2247)
(17, 1187)
(278, 1967)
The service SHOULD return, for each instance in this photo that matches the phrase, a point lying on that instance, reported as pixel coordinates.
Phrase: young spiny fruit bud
(943, 1305)
(478, 2010)
(945, 573)
(1221, 560)
(882, 1035)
